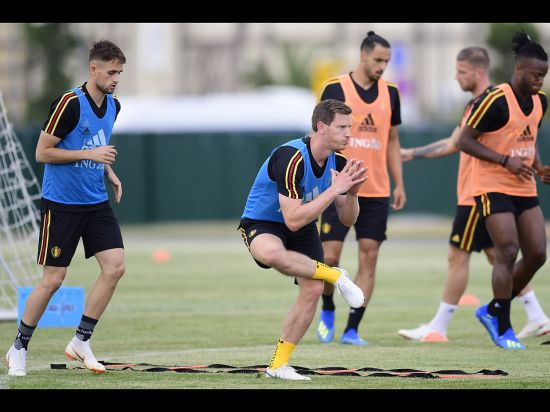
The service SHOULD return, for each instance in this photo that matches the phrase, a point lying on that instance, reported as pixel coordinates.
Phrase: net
(19, 219)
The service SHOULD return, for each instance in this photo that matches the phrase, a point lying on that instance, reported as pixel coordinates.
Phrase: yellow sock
(325, 272)
(282, 354)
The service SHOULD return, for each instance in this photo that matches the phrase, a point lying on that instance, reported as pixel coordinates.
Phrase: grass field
(212, 304)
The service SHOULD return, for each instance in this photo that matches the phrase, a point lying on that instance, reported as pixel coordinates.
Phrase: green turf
(212, 304)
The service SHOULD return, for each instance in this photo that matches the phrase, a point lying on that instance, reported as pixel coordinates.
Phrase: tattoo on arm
(424, 151)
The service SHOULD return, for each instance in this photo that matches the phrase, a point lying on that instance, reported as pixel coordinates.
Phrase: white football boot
(81, 350)
(351, 293)
(17, 361)
(285, 372)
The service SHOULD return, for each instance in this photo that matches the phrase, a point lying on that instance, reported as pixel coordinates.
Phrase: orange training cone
(161, 256)
(468, 300)
(434, 337)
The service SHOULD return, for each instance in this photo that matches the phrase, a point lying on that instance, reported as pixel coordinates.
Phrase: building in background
(174, 59)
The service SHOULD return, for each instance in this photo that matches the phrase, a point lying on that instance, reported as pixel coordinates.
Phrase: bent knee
(331, 259)
(52, 284)
(273, 257)
(115, 271)
(457, 256)
(508, 253)
(368, 256)
(537, 259)
(53, 278)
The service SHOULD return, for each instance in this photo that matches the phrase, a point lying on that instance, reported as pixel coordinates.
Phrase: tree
(296, 69)
(48, 46)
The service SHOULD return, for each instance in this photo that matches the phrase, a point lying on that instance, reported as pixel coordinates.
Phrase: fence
(172, 177)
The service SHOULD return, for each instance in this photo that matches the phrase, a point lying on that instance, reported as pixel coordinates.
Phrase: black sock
(24, 334)
(328, 302)
(355, 316)
(501, 309)
(85, 328)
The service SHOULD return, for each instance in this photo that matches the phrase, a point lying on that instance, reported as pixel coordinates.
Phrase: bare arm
(46, 152)
(396, 168)
(347, 206)
(114, 181)
(467, 142)
(440, 148)
(542, 170)
(537, 162)
(297, 214)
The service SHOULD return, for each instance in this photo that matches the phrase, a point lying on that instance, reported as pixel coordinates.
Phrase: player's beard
(104, 90)
(373, 76)
(466, 87)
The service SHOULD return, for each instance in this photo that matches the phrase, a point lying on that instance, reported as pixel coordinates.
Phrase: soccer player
(468, 232)
(374, 139)
(501, 134)
(299, 180)
(74, 145)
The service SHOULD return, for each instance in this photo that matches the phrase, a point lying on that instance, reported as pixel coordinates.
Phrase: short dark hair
(476, 56)
(326, 110)
(106, 51)
(524, 47)
(372, 40)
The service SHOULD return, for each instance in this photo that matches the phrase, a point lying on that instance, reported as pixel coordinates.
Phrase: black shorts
(490, 203)
(371, 222)
(62, 227)
(305, 240)
(469, 232)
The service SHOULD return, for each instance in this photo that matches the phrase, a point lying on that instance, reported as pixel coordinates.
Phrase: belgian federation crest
(56, 251)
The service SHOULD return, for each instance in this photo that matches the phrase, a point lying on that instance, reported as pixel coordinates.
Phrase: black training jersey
(65, 113)
(333, 90)
(473, 101)
(279, 166)
(491, 113)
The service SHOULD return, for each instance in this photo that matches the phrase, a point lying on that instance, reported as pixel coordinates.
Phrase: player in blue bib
(298, 181)
(74, 145)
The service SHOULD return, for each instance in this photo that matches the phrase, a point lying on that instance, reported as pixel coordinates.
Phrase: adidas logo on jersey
(86, 127)
(526, 135)
(367, 124)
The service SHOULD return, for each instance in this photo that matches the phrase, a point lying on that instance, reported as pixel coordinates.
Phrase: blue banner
(65, 308)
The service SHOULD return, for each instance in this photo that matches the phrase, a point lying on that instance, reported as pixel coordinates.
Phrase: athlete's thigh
(368, 246)
(498, 211)
(532, 231)
(502, 229)
(112, 258)
(261, 237)
(332, 249)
